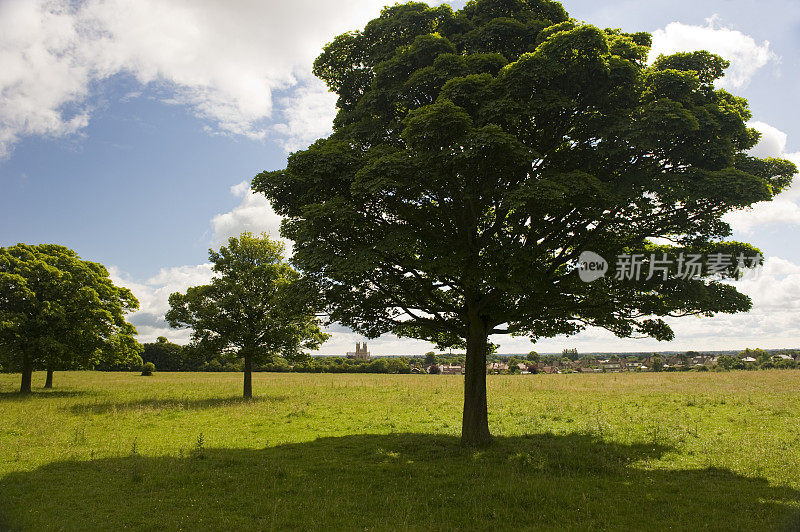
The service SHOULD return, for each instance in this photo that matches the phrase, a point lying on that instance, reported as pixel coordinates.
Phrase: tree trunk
(27, 374)
(248, 377)
(48, 383)
(475, 423)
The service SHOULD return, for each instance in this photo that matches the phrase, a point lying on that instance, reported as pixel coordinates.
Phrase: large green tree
(256, 306)
(58, 311)
(476, 154)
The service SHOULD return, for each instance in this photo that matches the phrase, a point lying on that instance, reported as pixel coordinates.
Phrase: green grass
(681, 451)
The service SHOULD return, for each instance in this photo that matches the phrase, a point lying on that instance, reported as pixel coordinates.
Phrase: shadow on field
(405, 481)
(170, 403)
(40, 393)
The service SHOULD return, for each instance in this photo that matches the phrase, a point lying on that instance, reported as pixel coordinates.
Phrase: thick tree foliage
(165, 355)
(60, 312)
(255, 308)
(477, 153)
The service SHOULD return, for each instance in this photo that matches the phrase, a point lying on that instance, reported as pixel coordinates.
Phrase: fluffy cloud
(153, 295)
(223, 60)
(39, 78)
(254, 213)
(772, 142)
(745, 54)
(307, 115)
(785, 208)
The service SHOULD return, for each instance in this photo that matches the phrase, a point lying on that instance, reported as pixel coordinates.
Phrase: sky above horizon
(130, 129)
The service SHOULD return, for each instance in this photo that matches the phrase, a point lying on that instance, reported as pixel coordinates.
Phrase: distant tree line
(169, 356)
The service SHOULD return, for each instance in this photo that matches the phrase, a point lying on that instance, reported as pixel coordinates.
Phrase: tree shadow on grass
(40, 394)
(395, 481)
(171, 403)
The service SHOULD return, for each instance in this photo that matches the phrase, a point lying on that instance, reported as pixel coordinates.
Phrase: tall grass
(182, 450)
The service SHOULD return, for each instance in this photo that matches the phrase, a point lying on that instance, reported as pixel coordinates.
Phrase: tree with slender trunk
(256, 306)
(59, 311)
(477, 154)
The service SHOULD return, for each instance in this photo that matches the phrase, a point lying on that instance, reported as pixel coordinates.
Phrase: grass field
(680, 451)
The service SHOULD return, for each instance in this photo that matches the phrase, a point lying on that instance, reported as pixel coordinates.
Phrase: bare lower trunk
(248, 377)
(27, 375)
(48, 383)
(475, 423)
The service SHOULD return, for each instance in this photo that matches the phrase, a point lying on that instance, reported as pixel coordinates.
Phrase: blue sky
(128, 127)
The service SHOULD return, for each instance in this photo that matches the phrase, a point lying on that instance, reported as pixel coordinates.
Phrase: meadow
(681, 451)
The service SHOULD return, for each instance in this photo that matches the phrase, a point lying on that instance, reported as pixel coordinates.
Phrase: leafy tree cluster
(344, 365)
(165, 355)
(60, 312)
(169, 356)
(763, 360)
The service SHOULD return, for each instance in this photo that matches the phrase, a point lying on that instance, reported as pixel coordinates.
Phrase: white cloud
(772, 142)
(308, 115)
(153, 295)
(745, 54)
(775, 288)
(223, 60)
(777, 211)
(254, 213)
(39, 75)
(784, 209)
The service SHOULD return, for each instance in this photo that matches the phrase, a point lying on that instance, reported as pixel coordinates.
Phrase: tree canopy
(256, 307)
(477, 153)
(58, 311)
(165, 355)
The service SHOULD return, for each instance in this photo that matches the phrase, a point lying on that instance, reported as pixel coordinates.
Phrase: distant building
(496, 367)
(703, 360)
(613, 366)
(360, 353)
(633, 365)
(446, 369)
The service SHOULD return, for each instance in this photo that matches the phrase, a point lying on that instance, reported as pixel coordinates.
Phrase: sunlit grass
(182, 450)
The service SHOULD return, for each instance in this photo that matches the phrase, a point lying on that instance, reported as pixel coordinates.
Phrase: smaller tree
(255, 308)
(430, 358)
(657, 363)
(728, 362)
(122, 350)
(398, 365)
(534, 357)
(166, 355)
